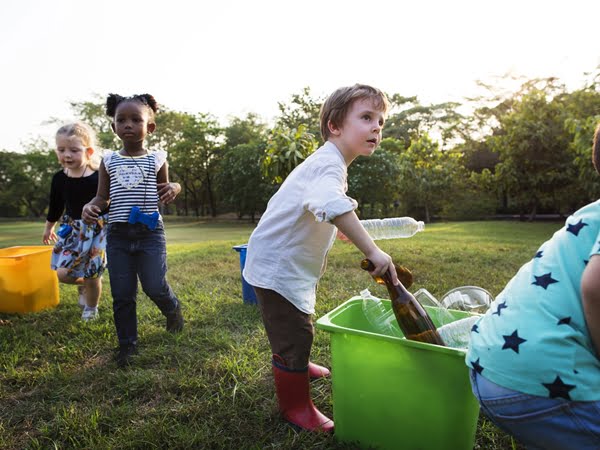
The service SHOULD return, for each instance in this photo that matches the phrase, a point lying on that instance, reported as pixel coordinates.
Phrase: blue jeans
(135, 251)
(539, 422)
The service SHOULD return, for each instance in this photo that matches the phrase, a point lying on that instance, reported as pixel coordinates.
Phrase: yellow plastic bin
(27, 283)
(393, 393)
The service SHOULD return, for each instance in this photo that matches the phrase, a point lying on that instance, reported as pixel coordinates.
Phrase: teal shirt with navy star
(534, 338)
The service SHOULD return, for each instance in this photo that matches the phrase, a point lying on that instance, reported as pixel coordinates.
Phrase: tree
(94, 114)
(373, 182)
(581, 148)
(427, 175)
(583, 115)
(249, 130)
(240, 182)
(415, 119)
(26, 179)
(194, 158)
(392, 145)
(286, 148)
(12, 182)
(535, 166)
(302, 110)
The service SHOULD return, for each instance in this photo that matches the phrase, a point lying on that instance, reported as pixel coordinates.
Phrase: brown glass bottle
(414, 321)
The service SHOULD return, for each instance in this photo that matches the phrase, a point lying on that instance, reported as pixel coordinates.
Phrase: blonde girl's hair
(336, 106)
(87, 136)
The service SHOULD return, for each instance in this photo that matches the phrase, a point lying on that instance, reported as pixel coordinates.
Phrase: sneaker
(175, 320)
(125, 356)
(82, 302)
(89, 314)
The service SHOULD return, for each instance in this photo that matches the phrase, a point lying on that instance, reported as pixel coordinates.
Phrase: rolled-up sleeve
(325, 197)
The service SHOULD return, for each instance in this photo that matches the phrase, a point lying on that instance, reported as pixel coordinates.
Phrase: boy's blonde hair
(87, 136)
(336, 106)
(596, 149)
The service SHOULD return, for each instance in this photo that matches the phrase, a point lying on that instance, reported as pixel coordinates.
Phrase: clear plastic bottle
(391, 228)
(456, 334)
(380, 319)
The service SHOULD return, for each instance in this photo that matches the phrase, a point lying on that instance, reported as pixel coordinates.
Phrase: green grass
(210, 386)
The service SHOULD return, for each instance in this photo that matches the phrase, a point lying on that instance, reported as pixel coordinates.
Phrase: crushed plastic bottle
(468, 298)
(426, 298)
(381, 320)
(456, 334)
(392, 228)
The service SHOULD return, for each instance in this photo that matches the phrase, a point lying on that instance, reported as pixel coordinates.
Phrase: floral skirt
(82, 250)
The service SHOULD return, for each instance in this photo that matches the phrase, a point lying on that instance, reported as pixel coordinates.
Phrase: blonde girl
(79, 251)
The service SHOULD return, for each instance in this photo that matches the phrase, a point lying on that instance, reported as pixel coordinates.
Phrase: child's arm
(92, 210)
(590, 298)
(49, 235)
(55, 209)
(350, 226)
(166, 191)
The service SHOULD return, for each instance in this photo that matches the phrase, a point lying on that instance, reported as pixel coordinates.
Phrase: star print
(559, 389)
(576, 228)
(513, 341)
(564, 321)
(476, 366)
(544, 280)
(475, 329)
(501, 306)
(539, 254)
(586, 261)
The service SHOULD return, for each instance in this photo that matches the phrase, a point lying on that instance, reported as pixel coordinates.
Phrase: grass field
(210, 386)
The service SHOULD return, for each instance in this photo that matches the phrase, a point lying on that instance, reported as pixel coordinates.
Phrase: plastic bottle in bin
(392, 228)
(414, 321)
(456, 334)
(468, 298)
(376, 314)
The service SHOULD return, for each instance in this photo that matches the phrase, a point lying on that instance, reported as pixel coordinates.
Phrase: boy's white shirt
(288, 249)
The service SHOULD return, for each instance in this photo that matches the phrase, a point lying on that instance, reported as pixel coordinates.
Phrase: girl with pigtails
(131, 183)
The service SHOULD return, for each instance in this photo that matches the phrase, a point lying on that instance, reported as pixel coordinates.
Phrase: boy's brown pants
(290, 331)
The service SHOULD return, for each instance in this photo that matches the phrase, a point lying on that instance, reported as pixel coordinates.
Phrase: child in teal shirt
(534, 360)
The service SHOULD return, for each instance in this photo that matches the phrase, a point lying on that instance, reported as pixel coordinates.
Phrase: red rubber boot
(293, 395)
(316, 371)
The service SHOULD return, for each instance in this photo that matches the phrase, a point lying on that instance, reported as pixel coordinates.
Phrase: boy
(288, 248)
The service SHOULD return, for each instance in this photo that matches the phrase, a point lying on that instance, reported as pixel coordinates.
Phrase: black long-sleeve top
(70, 194)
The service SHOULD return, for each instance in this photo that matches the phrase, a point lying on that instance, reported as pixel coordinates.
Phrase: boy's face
(360, 133)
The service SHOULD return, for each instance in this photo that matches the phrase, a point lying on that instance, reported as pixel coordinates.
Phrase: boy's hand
(90, 213)
(383, 263)
(168, 191)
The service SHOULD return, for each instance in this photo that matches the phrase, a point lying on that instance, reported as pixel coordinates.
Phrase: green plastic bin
(393, 393)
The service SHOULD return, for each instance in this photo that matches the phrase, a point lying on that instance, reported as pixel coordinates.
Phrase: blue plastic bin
(248, 294)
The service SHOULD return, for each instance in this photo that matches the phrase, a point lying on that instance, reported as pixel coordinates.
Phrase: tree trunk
(211, 198)
(533, 212)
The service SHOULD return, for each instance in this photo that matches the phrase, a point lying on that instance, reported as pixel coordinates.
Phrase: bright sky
(231, 57)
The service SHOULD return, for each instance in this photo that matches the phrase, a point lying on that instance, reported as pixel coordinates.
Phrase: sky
(232, 57)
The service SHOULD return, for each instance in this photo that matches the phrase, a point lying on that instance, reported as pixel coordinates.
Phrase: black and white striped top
(132, 183)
